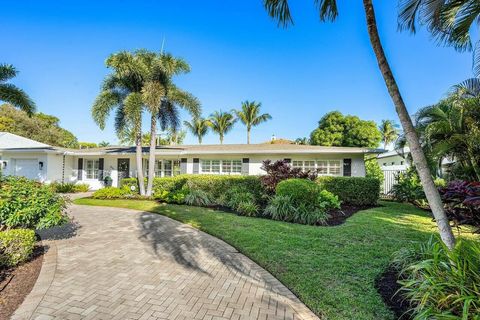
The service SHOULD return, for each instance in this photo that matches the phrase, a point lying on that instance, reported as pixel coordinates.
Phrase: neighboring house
(24, 157)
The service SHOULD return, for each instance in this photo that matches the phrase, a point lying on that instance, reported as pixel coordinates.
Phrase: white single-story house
(25, 157)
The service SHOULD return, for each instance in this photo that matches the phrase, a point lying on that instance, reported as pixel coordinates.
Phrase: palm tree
(11, 94)
(163, 99)
(302, 141)
(121, 91)
(389, 131)
(250, 117)
(104, 144)
(221, 123)
(198, 127)
(450, 22)
(279, 9)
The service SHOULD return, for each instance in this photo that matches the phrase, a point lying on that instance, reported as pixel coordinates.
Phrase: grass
(331, 269)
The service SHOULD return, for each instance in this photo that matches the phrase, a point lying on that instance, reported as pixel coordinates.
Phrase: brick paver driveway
(127, 264)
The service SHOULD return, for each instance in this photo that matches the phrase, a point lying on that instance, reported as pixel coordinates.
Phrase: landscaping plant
(69, 187)
(16, 246)
(281, 170)
(29, 204)
(357, 191)
(440, 283)
(462, 201)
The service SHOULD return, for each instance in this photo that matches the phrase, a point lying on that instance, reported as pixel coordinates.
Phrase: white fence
(389, 179)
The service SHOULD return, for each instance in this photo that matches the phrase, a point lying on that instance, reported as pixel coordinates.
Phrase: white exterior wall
(11, 158)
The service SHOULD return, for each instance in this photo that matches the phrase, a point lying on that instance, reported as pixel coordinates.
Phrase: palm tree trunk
(151, 154)
(139, 159)
(248, 135)
(199, 139)
(418, 156)
(221, 138)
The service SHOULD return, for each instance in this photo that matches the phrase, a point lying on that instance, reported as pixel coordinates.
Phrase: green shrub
(69, 187)
(301, 201)
(358, 191)
(114, 193)
(373, 170)
(16, 246)
(198, 198)
(441, 283)
(247, 208)
(29, 204)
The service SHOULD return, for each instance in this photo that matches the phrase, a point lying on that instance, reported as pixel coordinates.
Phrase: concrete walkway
(127, 264)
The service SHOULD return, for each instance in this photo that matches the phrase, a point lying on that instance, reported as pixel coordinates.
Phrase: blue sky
(236, 52)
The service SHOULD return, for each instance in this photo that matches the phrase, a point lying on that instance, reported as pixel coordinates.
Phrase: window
(308, 165)
(91, 169)
(176, 167)
(322, 167)
(158, 168)
(167, 168)
(221, 166)
(334, 167)
(401, 162)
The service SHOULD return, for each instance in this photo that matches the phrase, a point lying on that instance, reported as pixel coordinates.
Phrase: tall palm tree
(198, 127)
(279, 9)
(121, 91)
(11, 94)
(163, 99)
(450, 22)
(250, 117)
(389, 131)
(221, 123)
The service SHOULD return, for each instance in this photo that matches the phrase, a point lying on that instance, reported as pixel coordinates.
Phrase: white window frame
(94, 170)
(323, 167)
(223, 167)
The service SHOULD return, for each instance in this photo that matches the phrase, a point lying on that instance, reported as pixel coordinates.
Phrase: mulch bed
(388, 286)
(338, 216)
(16, 283)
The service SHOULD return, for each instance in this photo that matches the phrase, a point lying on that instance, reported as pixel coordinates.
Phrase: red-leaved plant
(282, 170)
(462, 201)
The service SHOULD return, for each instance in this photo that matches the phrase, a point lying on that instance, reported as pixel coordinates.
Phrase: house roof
(394, 152)
(12, 142)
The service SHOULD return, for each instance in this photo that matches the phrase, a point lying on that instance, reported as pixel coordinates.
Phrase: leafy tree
(250, 116)
(221, 123)
(122, 92)
(450, 22)
(335, 129)
(198, 127)
(87, 145)
(302, 141)
(328, 10)
(373, 170)
(389, 131)
(40, 127)
(11, 94)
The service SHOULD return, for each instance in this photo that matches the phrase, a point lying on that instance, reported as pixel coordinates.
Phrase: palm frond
(17, 97)
(7, 71)
(279, 10)
(103, 105)
(327, 9)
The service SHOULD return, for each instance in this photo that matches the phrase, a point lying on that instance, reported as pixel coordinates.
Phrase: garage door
(27, 168)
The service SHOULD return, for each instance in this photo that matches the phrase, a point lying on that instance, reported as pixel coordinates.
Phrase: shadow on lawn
(189, 247)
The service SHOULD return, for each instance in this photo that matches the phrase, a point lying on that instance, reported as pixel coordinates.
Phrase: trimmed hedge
(16, 246)
(356, 191)
(215, 186)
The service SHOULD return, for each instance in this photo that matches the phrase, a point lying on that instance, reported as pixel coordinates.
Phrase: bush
(16, 246)
(441, 283)
(114, 193)
(373, 170)
(357, 191)
(301, 201)
(281, 170)
(198, 198)
(462, 201)
(29, 204)
(69, 187)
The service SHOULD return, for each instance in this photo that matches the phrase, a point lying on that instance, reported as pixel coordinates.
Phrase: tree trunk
(139, 159)
(221, 138)
(199, 139)
(416, 151)
(151, 154)
(248, 135)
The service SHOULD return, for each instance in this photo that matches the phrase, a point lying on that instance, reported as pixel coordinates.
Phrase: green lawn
(331, 269)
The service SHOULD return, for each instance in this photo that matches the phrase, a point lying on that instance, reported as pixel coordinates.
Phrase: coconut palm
(250, 117)
(198, 127)
(279, 10)
(11, 94)
(389, 131)
(104, 144)
(450, 22)
(221, 123)
(163, 100)
(121, 91)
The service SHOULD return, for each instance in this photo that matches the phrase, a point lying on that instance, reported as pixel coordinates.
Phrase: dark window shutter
(287, 160)
(183, 160)
(245, 166)
(196, 165)
(347, 167)
(101, 162)
(80, 169)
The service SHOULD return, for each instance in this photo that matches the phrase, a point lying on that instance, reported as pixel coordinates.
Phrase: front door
(123, 168)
